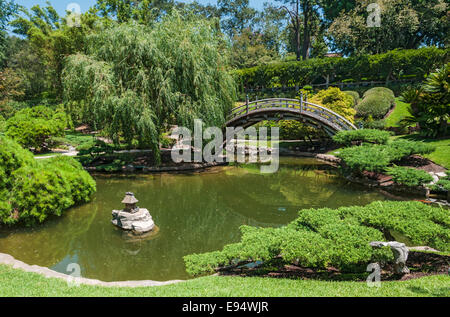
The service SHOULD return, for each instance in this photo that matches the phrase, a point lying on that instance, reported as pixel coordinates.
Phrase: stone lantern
(132, 218)
(130, 203)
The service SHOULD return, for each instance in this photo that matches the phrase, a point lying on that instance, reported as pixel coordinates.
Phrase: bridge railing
(302, 106)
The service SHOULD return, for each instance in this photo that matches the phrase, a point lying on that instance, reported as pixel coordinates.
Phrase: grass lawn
(400, 112)
(15, 282)
(441, 155)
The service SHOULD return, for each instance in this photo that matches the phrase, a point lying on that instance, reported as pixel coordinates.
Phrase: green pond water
(195, 212)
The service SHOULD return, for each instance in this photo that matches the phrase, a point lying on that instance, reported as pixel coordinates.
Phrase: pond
(196, 213)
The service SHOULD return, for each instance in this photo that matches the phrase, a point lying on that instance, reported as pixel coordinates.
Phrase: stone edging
(46, 272)
(156, 169)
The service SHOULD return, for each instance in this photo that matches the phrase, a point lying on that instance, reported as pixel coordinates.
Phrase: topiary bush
(321, 238)
(374, 106)
(409, 176)
(352, 137)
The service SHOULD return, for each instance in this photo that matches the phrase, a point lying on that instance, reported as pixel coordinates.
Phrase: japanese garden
(349, 106)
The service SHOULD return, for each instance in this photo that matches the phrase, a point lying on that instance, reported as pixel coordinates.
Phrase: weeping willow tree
(136, 80)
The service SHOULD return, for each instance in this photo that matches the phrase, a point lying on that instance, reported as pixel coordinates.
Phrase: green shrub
(373, 158)
(375, 124)
(337, 101)
(409, 176)
(82, 186)
(348, 138)
(34, 127)
(320, 238)
(376, 158)
(375, 106)
(31, 190)
(354, 95)
(383, 91)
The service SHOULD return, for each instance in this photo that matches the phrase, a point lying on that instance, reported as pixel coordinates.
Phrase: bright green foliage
(349, 138)
(404, 24)
(12, 157)
(420, 223)
(376, 158)
(30, 191)
(34, 127)
(385, 92)
(430, 105)
(136, 80)
(393, 64)
(320, 238)
(354, 95)
(80, 182)
(376, 103)
(409, 176)
(337, 101)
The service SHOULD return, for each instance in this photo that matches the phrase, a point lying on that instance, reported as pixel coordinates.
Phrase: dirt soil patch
(420, 264)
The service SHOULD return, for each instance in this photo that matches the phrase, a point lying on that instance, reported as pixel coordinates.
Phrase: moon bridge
(275, 109)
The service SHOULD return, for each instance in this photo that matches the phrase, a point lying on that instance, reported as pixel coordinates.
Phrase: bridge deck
(292, 108)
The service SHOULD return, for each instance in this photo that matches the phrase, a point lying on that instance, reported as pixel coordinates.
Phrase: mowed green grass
(400, 112)
(15, 282)
(441, 155)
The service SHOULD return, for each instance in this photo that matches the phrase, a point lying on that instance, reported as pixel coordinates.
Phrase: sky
(61, 5)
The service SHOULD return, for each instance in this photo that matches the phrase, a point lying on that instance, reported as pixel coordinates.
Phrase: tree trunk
(306, 31)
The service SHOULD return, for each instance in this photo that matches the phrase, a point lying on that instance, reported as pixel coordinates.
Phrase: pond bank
(9, 260)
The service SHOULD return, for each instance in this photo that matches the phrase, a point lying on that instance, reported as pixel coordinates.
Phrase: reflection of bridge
(288, 109)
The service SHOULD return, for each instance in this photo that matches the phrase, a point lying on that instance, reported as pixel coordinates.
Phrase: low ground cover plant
(352, 137)
(409, 176)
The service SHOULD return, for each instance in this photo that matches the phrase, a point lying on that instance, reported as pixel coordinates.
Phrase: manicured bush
(34, 127)
(321, 238)
(375, 106)
(337, 101)
(31, 191)
(386, 92)
(349, 138)
(376, 158)
(409, 176)
(354, 95)
(373, 158)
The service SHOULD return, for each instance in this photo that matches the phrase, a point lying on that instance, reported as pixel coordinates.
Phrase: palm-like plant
(430, 105)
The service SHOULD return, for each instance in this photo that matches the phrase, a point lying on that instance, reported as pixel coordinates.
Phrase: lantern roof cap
(129, 199)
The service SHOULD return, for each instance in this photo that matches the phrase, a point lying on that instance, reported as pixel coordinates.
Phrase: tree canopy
(136, 79)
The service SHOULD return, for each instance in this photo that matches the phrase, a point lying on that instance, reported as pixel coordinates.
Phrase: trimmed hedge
(409, 176)
(348, 138)
(31, 190)
(396, 63)
(376, 103)
(321, 238)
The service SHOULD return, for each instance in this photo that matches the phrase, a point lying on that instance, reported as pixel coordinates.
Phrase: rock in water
(139, 222)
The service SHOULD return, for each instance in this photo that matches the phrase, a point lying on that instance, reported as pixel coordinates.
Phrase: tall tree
(143, 11)
(236, 15)
(138, 79)
(302, 15)
(51, 39)
(7, 9)
(404, 24)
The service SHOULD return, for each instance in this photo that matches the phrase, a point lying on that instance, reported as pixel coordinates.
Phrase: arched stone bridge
(276, 109)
